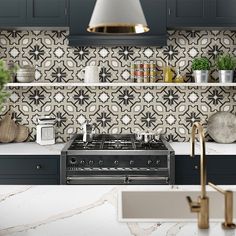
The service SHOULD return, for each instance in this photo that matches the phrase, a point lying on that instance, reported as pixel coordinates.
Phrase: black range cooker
(117, 159)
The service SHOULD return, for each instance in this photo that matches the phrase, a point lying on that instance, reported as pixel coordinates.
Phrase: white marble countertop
(180, 148)
(84, 211)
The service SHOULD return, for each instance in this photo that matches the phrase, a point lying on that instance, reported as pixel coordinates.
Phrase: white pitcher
(91, 74)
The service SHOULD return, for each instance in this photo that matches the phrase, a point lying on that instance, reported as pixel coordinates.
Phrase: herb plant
(5, 76)
(226, 62)
(201, 64)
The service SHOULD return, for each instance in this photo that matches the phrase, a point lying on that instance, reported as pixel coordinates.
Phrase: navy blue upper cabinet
(12, 13)
(186, 13)
(222, 13)
(47, 13)
(201, 13)
(80, 14)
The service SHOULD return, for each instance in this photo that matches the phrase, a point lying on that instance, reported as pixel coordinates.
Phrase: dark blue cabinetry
(29, 169)
(80, 12)
(47, 13)
(29, 13)
(12, 13)
(201, 13)
(220, 170)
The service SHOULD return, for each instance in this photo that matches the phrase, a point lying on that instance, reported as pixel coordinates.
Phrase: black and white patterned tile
(115, 109)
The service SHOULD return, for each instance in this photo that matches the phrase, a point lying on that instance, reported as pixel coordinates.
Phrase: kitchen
(123, 104)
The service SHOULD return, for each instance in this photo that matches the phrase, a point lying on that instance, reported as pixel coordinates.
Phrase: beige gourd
(8, 129)
(22, 134)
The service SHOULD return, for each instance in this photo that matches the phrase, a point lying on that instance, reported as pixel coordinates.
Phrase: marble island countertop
(180, 148)
(84, 211)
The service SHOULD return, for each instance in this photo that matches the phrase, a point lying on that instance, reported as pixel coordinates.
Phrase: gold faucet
(228, 224)
(202, 205)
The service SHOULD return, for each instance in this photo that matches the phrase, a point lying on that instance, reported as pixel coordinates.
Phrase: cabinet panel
(29, 170)
(222, 12)
(220, 170)
(47, 12)
(186, 13)
(12, 13)
(80, 14)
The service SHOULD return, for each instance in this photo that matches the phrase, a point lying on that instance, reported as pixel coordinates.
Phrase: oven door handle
(122, 178)
(146, 178)
(126, 179)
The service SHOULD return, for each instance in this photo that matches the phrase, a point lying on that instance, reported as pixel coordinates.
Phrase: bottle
(179, 78)
(168, 74)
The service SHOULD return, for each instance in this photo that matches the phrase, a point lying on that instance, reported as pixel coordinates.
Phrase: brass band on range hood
(119, 29)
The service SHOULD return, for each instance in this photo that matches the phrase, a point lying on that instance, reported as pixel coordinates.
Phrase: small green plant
(201, 64)
(5, 77)
(226, 62)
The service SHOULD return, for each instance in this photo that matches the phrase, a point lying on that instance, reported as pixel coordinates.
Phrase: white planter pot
(226, 76)
(201, 76)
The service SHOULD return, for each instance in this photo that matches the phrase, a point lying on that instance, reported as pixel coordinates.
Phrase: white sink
(166, 206)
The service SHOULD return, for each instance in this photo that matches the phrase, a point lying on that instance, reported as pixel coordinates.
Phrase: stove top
(115, 142)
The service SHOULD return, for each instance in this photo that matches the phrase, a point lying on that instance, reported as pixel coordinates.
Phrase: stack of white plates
(26, 74)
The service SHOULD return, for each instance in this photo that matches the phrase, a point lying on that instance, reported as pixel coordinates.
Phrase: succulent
(5, 76)
(226, 62)
(201, 64)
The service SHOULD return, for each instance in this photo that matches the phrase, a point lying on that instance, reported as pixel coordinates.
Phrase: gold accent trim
(118, 28)
(201, 206)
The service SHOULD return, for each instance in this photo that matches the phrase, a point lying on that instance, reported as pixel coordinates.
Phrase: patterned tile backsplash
(115, 109)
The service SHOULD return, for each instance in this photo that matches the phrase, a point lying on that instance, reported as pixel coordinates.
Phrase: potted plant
(201, 67)
(5, 77)
(226, 65)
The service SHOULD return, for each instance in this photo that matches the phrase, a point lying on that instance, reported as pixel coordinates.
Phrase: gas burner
(80, 145)
(117, 144)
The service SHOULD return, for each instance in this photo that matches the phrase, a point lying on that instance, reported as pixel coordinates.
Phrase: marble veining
(83, 211)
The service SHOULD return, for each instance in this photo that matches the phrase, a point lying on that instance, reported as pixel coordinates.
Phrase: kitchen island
(85, 211)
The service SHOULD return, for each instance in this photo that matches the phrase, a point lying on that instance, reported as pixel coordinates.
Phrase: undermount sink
(166, 206)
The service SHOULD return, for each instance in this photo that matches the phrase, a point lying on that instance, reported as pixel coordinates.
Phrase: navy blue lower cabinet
(220, 170)
(29, 170)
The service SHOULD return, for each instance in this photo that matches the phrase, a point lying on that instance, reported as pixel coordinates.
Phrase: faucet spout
(202, 205)
(198, 127)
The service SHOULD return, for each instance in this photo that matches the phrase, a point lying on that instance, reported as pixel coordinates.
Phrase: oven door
(118, 180)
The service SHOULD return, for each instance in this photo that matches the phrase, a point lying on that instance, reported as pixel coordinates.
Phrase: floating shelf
(120, 85)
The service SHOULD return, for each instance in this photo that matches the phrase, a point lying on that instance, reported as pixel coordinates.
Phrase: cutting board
(8, 129)
(222, 127)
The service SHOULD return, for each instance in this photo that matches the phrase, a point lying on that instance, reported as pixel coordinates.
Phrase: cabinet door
(12, 13)
(186, 13)
(187, 170)
(221, 169)
(80, 14)
(222, 12)
(47, 13)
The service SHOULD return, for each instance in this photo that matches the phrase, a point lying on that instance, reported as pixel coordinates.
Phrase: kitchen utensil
(147, 137)
(22, 134)
(8, 129)
(91, 74)
(45, 131)
(26, 74)
(222, 127)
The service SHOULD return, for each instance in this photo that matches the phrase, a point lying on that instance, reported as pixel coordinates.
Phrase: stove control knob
(149, 162)
(73, 161)
(116, 163)
(82, 162)
(101, 162)
(131, 162)
(91, 163)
